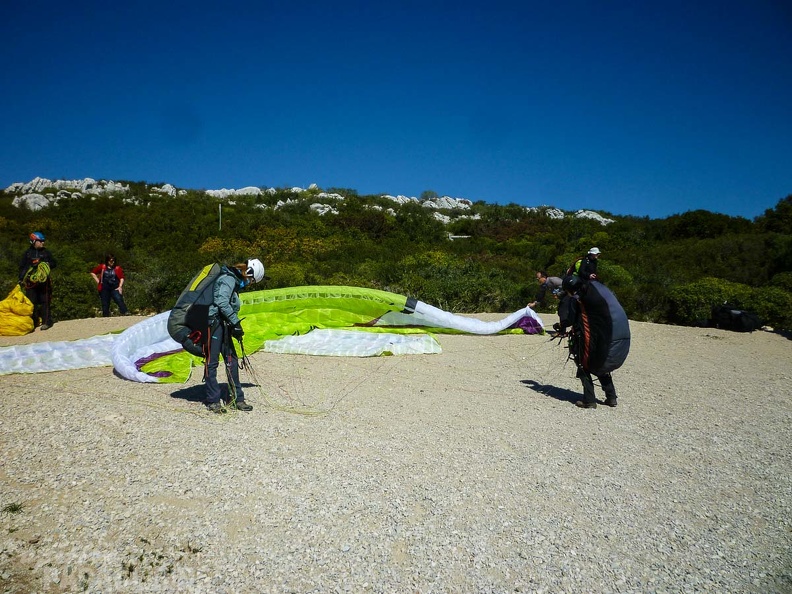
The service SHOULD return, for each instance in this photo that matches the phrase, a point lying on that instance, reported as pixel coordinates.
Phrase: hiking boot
(242, 405)
(581, 404)
(610, 402)
(215, 407)
(45, 326)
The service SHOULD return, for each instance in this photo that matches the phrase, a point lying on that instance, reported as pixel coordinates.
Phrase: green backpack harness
(188, 322)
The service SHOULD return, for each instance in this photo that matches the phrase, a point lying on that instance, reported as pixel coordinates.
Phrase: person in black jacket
(599, 335)
(34, 278)
(586, 267)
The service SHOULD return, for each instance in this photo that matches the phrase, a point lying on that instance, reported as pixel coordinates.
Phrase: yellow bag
(16, 313)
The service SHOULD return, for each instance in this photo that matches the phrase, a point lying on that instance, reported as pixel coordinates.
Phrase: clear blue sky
(641, 108)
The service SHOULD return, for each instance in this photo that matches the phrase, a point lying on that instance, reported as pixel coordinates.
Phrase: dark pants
(221, 347)
(606, 381)
(40, 296)
(105, 295)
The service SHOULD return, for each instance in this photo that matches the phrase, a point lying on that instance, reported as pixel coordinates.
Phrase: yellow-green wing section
(297, 310)
(275, 313)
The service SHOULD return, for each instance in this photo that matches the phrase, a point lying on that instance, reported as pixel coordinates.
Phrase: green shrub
(773, 305)
(460, 286)
(74, 296)
(285, 274)
(783, 280)
(692, 303)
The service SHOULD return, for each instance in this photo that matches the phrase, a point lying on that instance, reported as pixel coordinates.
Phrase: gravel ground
(469, 471)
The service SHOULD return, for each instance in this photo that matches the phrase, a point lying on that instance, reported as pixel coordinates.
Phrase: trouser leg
(35, 298)
(105, 298)
(212, 363)
(222, 353)
(119, 300)
(606, 381)
(231, 360)
(46, 298)
(588, 386)
(238, 394)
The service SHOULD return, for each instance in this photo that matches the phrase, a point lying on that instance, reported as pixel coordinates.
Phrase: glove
(237, 331)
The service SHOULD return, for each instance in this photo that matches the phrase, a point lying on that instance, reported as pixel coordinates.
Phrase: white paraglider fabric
(139, 342)
(353, 343)
(57, 356)
(428, 315)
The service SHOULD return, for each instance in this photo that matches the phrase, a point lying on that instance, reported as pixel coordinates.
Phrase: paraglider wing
(16, 312)
(322, 320)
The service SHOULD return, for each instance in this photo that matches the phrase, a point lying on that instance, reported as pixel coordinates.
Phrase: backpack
(188, 322)
(574, 268)
(729, 317)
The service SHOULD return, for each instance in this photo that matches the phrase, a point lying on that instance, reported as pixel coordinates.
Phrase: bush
(774, 306)
(691, 304)
(74, 296)
(458, 286)
(285, 274)
(783, 280)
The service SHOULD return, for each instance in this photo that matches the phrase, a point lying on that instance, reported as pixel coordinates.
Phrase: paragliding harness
(38, 279)
(36, 275)
(574, 268)
(188, 322)
(574, 338)
(226, 351)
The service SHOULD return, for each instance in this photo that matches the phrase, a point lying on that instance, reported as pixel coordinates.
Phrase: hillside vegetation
(670, 270)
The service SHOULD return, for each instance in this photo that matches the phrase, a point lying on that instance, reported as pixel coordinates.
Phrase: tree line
(671, 270)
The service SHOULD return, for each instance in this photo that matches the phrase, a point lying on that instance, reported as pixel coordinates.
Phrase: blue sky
(645, 109)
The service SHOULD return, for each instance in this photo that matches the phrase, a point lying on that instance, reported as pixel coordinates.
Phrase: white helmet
(594, 251)
(255, 270)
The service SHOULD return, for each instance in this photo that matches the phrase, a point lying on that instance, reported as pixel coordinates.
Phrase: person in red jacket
(109, 279)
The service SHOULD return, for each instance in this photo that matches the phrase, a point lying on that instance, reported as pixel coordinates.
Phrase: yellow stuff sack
(16, 313)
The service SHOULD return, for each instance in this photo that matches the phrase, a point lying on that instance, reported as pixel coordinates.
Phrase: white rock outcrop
(400, 199)
(38, 193)
(86, 186)
(448, 203)
(594, 216)
(554, 213)
(31, 201)
(167, 189)
(225, 193)
(323, 209)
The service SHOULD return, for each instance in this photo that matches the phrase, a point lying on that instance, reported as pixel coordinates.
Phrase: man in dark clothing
(586, 267)
(34, 278)
(599, 335)
(546, 283)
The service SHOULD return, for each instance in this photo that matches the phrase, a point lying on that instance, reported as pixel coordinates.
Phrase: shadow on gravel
(785, 333)
(191, 394)
(197, 393)
(553, 391)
